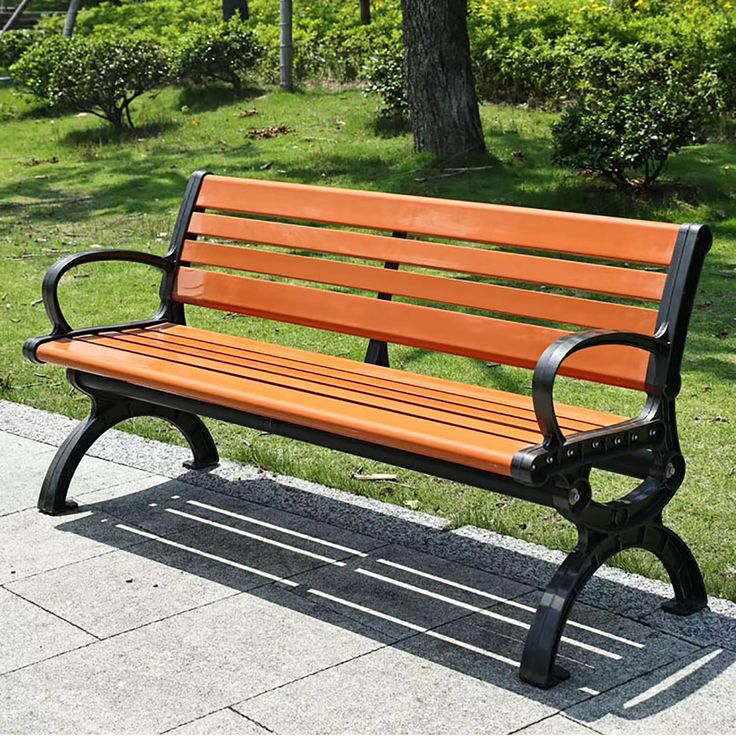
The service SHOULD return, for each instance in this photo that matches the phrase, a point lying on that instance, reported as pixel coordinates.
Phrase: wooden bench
(527, 447)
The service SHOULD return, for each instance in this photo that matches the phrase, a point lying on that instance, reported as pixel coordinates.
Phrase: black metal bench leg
(538, 666)
(106, 413)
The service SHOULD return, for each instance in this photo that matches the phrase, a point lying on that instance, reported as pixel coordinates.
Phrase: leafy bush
(386, 77)
(227, 52)
(97, 75)
(628, 124)
(13, 44)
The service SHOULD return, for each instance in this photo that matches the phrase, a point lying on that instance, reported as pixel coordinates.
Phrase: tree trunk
(439, 78)
(71, 18)
(365, 12)
(232, 7)
(286, 50)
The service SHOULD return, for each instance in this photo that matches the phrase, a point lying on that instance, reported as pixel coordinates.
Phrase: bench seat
(456, 422)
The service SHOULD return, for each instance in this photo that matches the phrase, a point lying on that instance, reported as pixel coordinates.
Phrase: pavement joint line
(52, 613)
(248, 718)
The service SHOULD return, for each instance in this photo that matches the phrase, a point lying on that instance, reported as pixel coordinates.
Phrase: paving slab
(421, 685)
(31, 542)
(557, 724)
(610, 649)
(224, 722)
(30, 634)
(29, 462)
(694, 694)
(161, 675)
(399, 590)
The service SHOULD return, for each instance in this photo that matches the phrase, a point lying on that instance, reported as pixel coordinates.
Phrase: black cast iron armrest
(559, 351)
(50, 292)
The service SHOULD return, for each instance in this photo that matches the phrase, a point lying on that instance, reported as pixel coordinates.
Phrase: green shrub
(13, 44)
(97, 75)
(627, 125)
(385, 76)
(227, 52)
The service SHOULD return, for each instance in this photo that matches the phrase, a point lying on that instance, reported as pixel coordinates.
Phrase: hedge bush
(227, 52)
(638, 113)
(13, 44)
(100, 75)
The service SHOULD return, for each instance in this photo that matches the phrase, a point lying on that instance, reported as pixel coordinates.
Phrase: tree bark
(286, 50)
(441, 91)
(71, 18)
(365, 12)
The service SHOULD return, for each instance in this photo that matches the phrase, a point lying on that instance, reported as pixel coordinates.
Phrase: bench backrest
(516, 321)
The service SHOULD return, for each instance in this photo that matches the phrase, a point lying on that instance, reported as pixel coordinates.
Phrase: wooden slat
(371, 424)
(284, 372)
(597, 278)
(379, 375)
(488, 297)
(485, 338)
(562, 232)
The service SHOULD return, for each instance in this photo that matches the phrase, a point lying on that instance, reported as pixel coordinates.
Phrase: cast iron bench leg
(107, 411)
(538, 665)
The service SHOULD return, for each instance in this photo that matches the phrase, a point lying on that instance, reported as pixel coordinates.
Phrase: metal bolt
(596, 444)
(574, 496)
(617, 441)
(635, 437)
(550, 460)
(652, 432)
(670, 471)
(570, 453)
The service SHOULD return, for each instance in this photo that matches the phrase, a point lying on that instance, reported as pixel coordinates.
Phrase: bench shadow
(454, 600)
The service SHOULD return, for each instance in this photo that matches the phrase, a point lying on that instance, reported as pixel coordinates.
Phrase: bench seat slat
(488, 297)
(424, 394)
(399, 401)
(561, 232)
(378, 375)
(485, 338)
(486, 444)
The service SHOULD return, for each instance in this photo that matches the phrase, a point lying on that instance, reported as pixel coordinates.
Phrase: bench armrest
(50, 289)
(559, 351)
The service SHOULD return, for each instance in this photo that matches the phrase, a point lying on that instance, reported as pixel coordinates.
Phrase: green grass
(67, 184)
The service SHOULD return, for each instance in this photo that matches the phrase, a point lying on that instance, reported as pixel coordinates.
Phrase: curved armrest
(53, 277)
(559, 351)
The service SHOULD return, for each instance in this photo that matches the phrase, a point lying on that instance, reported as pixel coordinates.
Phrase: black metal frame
(556, 473)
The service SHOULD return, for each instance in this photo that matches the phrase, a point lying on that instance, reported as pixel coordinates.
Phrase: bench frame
(554, 474)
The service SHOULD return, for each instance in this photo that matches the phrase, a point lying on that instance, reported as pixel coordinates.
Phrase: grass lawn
(67, 184)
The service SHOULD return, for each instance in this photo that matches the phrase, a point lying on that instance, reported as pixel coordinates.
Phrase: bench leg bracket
(107, 411)
(594, 548)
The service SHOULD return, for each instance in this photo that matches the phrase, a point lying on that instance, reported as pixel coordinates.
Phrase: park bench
(629, 288)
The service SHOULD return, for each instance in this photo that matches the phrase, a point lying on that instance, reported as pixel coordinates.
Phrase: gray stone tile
(715, 625)
(416, 686)
(31, 542)
(171, 672)
(557, 724)
(28, 461)
(30, 634)
(125, 589)
(399, 591)
(691, 695)
(614, 651)
(224, 722)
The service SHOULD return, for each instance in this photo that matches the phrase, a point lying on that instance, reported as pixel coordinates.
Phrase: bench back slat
(487, 297)
(429, 328)
(556, 272)
(562, 232)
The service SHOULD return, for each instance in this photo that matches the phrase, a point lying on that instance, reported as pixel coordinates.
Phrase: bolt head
(652, 432)
(574, 496)
(596, 444)
(670, 471)
(617, 441)
(570, 453)
(550, 460)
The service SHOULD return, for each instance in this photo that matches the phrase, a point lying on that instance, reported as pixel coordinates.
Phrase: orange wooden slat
(496, 426)
(562, 232)
(371, 424)
(488, 297)
(381, 375)
(319, 370)
(485, 338)
(593, 277)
